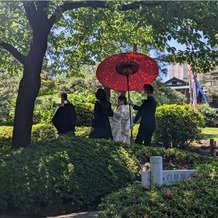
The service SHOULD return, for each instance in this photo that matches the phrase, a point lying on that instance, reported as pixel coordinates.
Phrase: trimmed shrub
(193, 197)
(208, 113)
(43, 132)
(177, 125)
(83, 131)
(68, 171)
(5, 136)
(84, 114)
(39, 132)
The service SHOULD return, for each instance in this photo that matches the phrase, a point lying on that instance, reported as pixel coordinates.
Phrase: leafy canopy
(84, 35)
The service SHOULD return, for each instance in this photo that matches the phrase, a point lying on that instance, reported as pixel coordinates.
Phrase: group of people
(110, 124)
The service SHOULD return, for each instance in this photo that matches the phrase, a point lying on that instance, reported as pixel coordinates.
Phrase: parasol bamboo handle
(130, 113)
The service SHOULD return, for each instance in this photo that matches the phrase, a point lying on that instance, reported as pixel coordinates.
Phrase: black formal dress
(100, 122)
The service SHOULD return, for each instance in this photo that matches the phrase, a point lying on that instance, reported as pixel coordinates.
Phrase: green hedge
(73, 173)
(84, 114)
(193, 197)
(45, 177)
(39, 132)
(5, 135)
(177, 125)
(208, 113)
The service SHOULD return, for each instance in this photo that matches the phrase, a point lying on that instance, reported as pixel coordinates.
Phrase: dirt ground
(204, 148)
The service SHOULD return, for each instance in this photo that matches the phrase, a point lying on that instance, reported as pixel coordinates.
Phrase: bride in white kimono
(120, 122)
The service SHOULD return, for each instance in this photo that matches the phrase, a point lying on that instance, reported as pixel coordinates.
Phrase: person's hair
(149, 86)
(64, 95)
(122, 98)
(101, 94)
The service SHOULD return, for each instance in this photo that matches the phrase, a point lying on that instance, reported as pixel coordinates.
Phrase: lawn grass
(209, 133)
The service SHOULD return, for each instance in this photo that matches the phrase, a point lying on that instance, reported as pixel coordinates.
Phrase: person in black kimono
(100, 123)
(64, 118)
(146, 112)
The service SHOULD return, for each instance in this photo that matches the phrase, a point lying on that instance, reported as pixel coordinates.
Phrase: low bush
(69, 171)
(193, 197)
(177, 125)
(5, 135)
(43, 132)
(83, 131)
(208, 113)
(72, 173)
(39, 132)
(84, 114)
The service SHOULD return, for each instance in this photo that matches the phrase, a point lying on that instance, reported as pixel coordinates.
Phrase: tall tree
(63, 35)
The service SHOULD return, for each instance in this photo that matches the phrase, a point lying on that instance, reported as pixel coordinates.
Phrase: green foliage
(8, 92)
(162, 94)
(73, 173)
(82, 97)
(173, 158)
(94, 31)
(45, 107)
(208, 113)
(67, 171)
(82, 131)
(195, 197)
(42, 132)
(177, 125)
(5, 136)
(166, 95)
(81, 88)
(84, 114)
(84, 110)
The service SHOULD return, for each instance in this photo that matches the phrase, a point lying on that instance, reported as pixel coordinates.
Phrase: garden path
(78, 215)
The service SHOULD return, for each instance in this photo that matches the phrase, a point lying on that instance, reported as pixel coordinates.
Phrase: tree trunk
(28, 90)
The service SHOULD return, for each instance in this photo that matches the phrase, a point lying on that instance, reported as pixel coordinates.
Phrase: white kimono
(120, 124)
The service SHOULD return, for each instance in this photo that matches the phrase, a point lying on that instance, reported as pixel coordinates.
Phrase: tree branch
(21, 58)
(31, 12)
(136, 5)
(74, 5)
(95, 4)
(42, 7)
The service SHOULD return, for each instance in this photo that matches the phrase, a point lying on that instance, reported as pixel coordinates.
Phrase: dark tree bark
(30, 83)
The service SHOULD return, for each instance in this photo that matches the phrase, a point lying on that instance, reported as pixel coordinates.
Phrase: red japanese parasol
(127, 71)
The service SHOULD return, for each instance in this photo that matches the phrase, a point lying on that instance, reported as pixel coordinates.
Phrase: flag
(193, 93)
